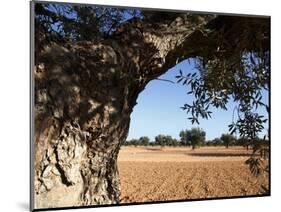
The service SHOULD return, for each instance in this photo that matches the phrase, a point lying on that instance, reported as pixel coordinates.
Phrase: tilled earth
(161, 174)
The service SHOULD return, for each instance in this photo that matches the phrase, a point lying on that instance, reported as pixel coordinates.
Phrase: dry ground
(176, 173)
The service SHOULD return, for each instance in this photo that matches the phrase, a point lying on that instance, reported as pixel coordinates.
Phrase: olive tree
(144, 140)
(92, 62)
(227, 139)
(184, 140)
(194, 137)
(165, 140)
(217, 142)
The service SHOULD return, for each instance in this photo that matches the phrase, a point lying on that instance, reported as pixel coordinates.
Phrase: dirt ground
(177, 173)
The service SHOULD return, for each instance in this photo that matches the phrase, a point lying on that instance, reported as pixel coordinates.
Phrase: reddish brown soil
(161, 174)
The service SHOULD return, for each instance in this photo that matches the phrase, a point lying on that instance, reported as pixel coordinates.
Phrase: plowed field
(169, 173)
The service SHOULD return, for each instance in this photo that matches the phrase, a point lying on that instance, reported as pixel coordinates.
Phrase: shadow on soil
(154, 149)
(219, 154)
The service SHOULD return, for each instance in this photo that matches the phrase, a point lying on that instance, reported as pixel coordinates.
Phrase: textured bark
(84, 95)
(81, 118)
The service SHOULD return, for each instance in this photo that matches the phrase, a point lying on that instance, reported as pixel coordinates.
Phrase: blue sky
(158, 110)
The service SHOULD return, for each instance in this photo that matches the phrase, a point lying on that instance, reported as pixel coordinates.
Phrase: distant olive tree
(227, 139)
(165, 140)
(217, 142)
(184, 140)
(133, 141)
(194, 137)
(144, 140)
(245, 142)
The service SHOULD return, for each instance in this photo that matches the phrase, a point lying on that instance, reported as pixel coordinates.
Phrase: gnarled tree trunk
(84, 95)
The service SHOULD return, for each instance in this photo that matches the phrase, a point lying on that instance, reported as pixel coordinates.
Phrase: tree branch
(165, 80)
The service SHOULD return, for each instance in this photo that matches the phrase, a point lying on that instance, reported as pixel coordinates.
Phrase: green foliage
(256, 165)
(228, 140)
(184, 139)
(80, 22)
(242, 141)
(165, 140)
(194, 137)
(261, 148)
(216, 142)
(236, 65)
(162, 140)
(144, 140)
(134, 142)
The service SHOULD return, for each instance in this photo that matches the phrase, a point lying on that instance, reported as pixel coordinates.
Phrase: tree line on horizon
(195, 138)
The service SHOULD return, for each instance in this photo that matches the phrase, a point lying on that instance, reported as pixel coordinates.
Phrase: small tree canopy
(217, 142)
(165, 140)
(227, 139)
(194, 137)
(144, 140)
